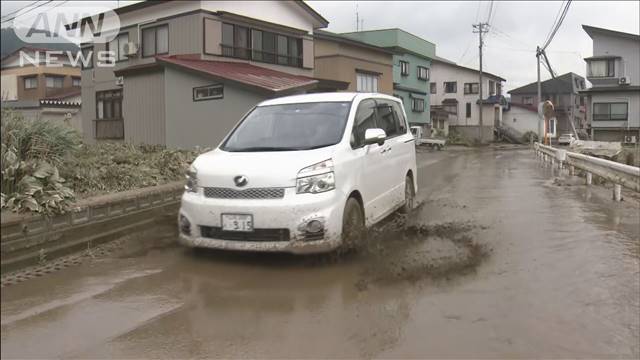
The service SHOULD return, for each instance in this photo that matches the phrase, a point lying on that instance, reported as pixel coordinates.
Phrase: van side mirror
(374, 136)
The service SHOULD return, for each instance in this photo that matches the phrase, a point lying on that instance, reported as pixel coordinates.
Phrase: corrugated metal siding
(143, 108)
(185, 35)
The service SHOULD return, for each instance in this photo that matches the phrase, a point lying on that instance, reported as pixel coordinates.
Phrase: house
(187, 71)
(563, 92)
(347, 64)
(411, 68)
(30, 78)
(65, 112)
(456, 89)
(613, 101)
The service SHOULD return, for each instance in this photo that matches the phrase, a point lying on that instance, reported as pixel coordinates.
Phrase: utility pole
(481, 28)
(538, 107)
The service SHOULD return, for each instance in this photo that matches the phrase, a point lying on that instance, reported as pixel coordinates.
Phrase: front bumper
(290, 212)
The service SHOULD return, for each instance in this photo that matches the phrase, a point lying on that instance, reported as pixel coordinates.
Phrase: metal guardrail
(619, 174)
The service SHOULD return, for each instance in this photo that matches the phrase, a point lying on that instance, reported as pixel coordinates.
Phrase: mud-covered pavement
(499, 261)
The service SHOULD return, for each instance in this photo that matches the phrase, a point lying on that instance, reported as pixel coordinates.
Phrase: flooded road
(497, 262)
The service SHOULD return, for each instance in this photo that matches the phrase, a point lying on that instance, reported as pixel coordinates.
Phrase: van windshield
(289, 127)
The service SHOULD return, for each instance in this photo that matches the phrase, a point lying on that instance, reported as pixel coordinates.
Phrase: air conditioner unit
(624, 80)
(130, 49)
(630, 139)
(120, 81)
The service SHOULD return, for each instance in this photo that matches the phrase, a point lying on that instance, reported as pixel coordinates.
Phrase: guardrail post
(617, 192)
(562, 156)
(589, 178)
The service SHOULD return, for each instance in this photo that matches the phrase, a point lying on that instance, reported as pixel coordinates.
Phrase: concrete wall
(339, 61)
(473, 132)
(93, 221)
(56, 114)
(521, 120)
(202, 123)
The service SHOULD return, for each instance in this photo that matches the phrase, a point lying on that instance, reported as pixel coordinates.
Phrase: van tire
(409, 195)
(353, 228)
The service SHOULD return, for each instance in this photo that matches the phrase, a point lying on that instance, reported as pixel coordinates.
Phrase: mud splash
(400, 251)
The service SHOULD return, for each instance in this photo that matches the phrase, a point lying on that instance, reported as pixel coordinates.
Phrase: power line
(20, 9)
(555, 29)
(26, 12)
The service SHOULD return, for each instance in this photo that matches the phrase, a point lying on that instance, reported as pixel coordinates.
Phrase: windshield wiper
(262, 148)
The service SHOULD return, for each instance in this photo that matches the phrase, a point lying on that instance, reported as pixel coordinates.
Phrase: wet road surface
(498, 262)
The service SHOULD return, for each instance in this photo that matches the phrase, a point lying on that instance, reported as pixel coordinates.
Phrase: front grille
(214, 232)
(254, 193)
(313, 236)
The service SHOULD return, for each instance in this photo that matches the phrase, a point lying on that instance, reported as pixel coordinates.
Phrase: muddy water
(496, 262)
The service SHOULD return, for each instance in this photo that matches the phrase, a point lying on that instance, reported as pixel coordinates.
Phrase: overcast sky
(516, 28)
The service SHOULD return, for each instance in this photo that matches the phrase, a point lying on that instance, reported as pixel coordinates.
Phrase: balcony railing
(109, 129)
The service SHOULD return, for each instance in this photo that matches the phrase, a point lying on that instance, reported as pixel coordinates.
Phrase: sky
(516, 27)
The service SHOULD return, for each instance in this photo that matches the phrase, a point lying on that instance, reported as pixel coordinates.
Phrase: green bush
(529, 136)
(31, 153)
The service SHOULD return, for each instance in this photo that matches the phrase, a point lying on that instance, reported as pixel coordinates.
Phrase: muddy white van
(302, 174)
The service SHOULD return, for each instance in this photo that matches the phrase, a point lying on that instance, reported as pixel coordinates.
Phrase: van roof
(323, 97)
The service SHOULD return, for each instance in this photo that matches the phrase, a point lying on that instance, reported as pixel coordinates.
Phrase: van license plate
(237, 222)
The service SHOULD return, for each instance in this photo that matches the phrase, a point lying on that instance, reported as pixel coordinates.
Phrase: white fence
(619, 174)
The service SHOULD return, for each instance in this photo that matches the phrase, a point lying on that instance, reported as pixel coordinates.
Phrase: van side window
(402, 122)
(365, 119)
(387, 118)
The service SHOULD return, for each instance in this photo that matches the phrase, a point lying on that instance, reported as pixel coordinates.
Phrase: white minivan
(302, 174)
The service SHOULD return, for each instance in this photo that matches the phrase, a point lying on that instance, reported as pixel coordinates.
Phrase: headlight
(316, 178)
(316, 183)
(192, 180)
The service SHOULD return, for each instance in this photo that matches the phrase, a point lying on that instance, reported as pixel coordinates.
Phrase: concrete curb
(30, 239)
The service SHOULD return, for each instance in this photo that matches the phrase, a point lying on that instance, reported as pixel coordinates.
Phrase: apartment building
(455, 89)
(411, 68)
(32, 79)
(186, 71)
(613, 101)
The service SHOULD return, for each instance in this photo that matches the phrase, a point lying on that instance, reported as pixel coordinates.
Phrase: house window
(55, 81)
(404, 68)
(602, 68)
(75, 81)
(252, 44)
(451, 108)
(610, 111)
(30, 82)
(492, 87)
(366, 82)
(433, 87)
(468, 110)
(423, 73)
(210, 92)
(417, 105)
(109, 105)
(471, 88)
(450, 87)
(552, 127)
(117, 45)
(155, 40)
(527, 100)
(87, 57)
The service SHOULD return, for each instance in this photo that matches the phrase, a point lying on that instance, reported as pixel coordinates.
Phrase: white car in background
(302, 174)
(566, 139)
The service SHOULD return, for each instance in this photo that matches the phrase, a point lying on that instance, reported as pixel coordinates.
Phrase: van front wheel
(409, 195)
(352, 224)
